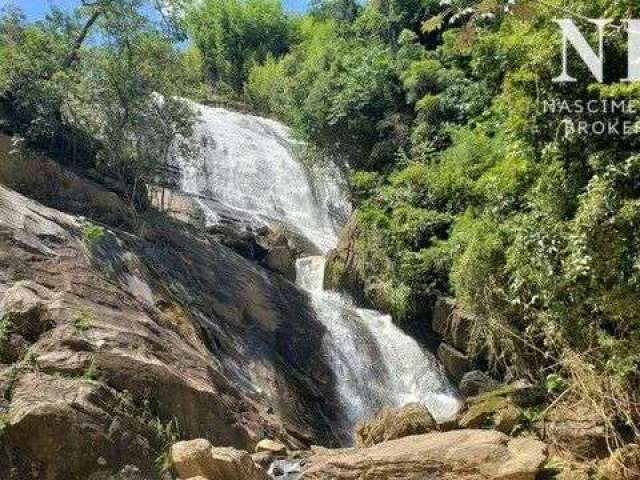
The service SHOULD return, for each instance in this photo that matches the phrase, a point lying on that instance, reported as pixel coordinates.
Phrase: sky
(36, 9)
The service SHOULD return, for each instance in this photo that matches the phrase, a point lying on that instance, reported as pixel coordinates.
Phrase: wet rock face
(274, 248)
(114, 330)
(281, 253)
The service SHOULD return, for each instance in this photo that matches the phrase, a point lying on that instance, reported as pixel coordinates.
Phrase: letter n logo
(571, 35)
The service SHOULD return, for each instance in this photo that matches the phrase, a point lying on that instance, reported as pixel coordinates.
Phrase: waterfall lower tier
(247, 170)
(376, 364)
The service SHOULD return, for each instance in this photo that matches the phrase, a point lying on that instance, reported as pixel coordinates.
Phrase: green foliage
(266, 87)
(462, 182)
(167, 434)
(40, 178)
(363, 184)
(92, 234)
(114, 105)
(4, 423)
(6, 324)
(91, 373)
(555, 384)
(341, 10)
(233, 35)
(346, 108)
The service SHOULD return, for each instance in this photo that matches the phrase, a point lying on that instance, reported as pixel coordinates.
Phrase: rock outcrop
(198, 458)
(580, 430)
(454, 327)
(390, 424)
(455, 362)
(476, 382)
(344, 269)
(272, 247)
(108, 334)
(459, 455)
(271, 446)
(280, 254)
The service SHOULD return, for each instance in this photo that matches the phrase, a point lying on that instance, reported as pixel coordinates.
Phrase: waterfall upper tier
(246, 168)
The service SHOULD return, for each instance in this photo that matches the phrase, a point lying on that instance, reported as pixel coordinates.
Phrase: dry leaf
(487, 6)
(523, 10)
(466, 37)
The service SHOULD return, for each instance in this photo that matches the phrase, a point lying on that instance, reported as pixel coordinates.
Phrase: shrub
(83, 321)
(92, 234)
(266, 87)
(6, 324)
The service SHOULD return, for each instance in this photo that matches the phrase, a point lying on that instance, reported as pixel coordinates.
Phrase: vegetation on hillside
(98, 87)
(464, 184)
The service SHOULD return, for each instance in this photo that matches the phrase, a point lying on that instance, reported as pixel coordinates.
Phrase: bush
(266, 87)
(234, 34)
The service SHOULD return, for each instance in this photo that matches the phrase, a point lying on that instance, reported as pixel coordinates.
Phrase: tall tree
(235, 34)
(118, 97)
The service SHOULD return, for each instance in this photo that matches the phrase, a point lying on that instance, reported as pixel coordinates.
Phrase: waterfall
(247, 169)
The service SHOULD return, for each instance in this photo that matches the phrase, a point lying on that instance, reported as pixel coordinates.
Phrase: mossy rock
(498, 409)
(481, 413)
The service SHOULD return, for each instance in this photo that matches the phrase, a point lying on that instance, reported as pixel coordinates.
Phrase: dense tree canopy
(100, 85)
(236, 34)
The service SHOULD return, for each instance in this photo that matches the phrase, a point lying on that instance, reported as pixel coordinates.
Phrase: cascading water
(247, 170)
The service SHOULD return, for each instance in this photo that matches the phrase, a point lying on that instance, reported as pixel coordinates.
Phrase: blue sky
(37, 8)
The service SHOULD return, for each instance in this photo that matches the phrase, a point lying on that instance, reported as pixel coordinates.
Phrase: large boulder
(280, 250)
(271, 446)
(500, 409)
(390, 424)
(476, 382)
(459, 455)
(579, 430)
(344, 269)
(242, 241)
(455, 362)
(199, 458)
(71, 428)
(452, 323)
(442, 311)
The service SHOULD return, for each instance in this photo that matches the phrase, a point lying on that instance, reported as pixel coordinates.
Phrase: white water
(247, 168)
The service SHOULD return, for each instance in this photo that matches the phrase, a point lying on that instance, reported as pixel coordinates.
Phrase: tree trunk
(73, 54)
